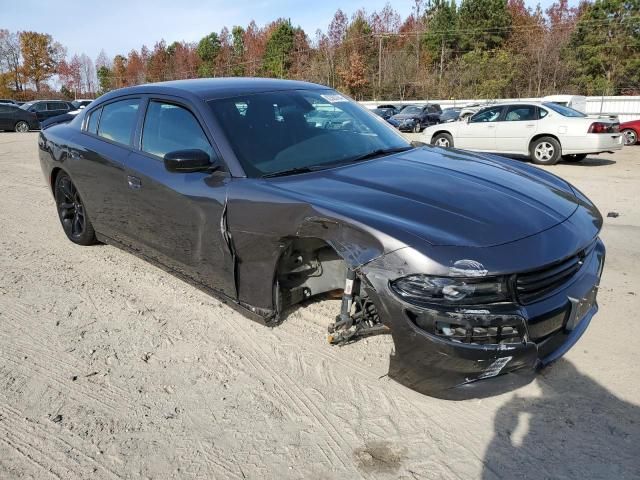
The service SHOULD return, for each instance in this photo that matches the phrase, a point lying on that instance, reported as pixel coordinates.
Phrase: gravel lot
(112, 368)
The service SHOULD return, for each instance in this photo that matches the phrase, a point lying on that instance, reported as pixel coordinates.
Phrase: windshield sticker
(334, 98)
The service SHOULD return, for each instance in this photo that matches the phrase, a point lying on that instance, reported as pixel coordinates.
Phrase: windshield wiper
(314, 168)
(291, 171)
(377, 153)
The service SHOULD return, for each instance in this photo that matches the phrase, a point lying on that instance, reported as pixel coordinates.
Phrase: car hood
(443, 197)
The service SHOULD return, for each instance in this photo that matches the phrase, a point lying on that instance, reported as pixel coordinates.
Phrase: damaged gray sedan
(476, 265)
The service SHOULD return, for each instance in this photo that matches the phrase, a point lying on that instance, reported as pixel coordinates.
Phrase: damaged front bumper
(452, 352)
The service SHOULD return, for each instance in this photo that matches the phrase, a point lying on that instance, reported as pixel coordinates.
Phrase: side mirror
(185, 161)
(467, 118)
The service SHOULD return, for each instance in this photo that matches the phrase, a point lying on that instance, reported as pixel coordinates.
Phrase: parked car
(14, 118)
(414, 118)
(450, 115)
(546, 132)
(630, 131)
(48, 108)
(8, 100)
(426, 245)
(80, 103)
(385, 112)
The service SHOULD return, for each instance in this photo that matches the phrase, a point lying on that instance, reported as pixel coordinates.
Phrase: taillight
(599, 127)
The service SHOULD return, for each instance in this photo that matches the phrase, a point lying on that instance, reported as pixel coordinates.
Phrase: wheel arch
(537, 136)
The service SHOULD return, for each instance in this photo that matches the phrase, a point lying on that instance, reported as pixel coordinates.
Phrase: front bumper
(437, 366)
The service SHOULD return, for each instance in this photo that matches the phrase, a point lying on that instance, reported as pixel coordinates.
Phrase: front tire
(443, 140)
(578, 157)
(21, 127)
(545, 151)
(72, 213)
(630, 136)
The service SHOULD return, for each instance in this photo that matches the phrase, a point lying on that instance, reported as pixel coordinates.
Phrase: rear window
(94, 119)
(562, 110)
(118, 120)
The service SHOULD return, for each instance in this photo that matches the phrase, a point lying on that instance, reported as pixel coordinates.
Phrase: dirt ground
(112, 368)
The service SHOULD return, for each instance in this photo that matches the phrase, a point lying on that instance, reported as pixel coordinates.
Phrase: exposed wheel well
(307, 267)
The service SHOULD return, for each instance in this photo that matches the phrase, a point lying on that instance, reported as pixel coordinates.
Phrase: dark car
(48, 108)
(415, 118)
(476, 265)
(14, 118)
(81, 103)
(385, 112)
(8, 100)
(450, 115)
(64, 118)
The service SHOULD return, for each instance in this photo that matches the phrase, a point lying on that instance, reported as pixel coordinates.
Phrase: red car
(630, 131)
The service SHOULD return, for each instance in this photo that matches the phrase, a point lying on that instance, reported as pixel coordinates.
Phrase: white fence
(626, 108)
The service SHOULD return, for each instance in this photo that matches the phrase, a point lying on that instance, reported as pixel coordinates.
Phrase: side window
(542, 113)
(169, 127)
(56, 106)
(488, 115)
(94, 119)
(520, 113)
(40, 107)
(118, 120)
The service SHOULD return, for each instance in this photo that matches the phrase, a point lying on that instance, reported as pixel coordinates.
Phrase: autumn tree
(40, 56)
(10, 58)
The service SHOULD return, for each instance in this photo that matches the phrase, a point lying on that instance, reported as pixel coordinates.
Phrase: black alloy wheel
(72, 213)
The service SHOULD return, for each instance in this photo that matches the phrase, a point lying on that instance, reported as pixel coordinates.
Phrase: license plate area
(579, 308)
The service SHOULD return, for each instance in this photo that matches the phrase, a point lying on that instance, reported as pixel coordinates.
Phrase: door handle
(531, 125)
(134, 182)
(491, 126)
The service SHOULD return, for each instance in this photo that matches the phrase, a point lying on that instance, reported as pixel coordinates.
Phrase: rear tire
(21, 127)
(578, 157)
(443, 140)
(545, 151)
(72, 213)
(630, 136)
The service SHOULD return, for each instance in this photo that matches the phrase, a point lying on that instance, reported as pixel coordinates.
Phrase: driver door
(176, 217)
(479, 133)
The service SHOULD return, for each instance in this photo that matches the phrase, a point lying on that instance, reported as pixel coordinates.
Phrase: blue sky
(120, 25)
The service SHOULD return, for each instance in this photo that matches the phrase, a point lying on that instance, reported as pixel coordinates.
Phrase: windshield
(26, 106)
(562, 110)
(411, 110)
(299, 129)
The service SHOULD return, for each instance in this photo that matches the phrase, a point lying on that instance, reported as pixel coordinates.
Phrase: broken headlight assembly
(425, 290)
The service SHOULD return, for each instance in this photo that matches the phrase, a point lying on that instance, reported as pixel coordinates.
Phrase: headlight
(425, 290)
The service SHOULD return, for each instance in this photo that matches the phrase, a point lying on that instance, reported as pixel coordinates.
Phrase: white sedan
(544, 131)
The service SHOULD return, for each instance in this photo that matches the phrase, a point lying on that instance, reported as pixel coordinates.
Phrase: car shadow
(587, 162)
(576, 428)
(591, 162)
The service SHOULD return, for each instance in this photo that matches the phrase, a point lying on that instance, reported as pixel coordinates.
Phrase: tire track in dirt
(14, 428)
(289, 388)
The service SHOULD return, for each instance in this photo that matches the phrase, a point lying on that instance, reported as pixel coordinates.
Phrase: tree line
(443, 49)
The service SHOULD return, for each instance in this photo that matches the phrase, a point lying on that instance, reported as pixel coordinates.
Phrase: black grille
(532, 286)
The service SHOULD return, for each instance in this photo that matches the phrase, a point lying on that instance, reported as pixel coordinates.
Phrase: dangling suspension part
(365, 320)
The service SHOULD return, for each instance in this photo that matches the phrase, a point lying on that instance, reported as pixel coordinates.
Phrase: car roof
(215, 88)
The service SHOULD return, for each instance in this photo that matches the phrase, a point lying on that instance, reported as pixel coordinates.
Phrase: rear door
(6, 117)
(40, 109)
(516, 127)
(479, 133)
(56, 108)
(177, 218)
(98, 165)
